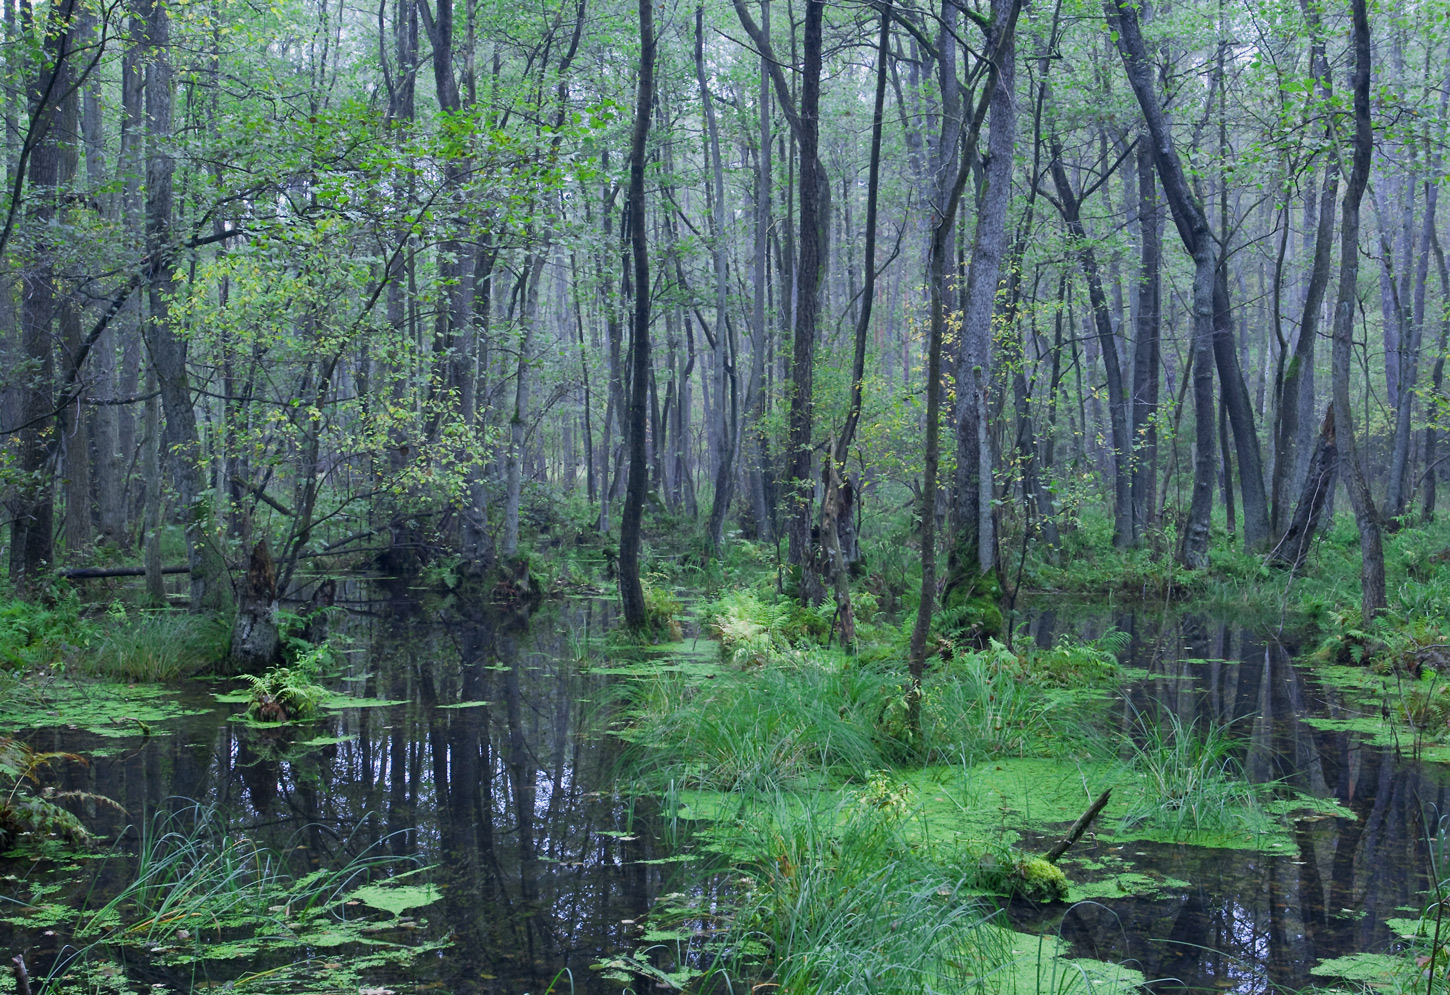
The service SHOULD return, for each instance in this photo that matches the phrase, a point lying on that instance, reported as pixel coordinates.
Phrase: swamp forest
(764, 496)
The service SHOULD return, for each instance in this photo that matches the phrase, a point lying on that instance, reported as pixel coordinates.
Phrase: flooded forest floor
(460, 797)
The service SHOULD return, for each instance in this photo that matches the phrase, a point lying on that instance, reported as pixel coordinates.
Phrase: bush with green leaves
(45, 633)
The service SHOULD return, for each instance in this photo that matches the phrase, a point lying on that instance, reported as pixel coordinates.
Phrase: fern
(28, 808)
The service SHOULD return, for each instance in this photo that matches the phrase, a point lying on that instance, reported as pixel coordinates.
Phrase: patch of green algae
(100, 707)
(1007, 799)
(1028, 964)
(1375, 970)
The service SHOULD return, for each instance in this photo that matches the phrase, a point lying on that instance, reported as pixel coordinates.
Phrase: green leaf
(397, 899)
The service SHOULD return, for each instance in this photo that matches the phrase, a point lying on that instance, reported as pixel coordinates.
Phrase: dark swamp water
(543, 868)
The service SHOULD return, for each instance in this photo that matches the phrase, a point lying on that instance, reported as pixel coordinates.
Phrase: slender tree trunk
(1192, 223)
(518, 420)
(1118, 404)
(1372, 568)
(760, 339)
(813, 228)
(630, 589)
(1002, 35)
(1437, 381)
(1298, 374)
(1293, 548)
(726, 426)
(1146, 358)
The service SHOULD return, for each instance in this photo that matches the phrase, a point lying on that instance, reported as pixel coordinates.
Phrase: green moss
(1035, 878)
(971, 607)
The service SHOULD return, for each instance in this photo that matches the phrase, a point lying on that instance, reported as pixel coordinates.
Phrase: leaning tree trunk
(1293, 548)
(1192, 223)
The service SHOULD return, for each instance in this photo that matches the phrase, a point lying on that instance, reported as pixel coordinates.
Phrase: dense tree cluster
(329, 275)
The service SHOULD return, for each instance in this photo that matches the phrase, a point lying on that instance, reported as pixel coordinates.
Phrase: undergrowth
(212, 906)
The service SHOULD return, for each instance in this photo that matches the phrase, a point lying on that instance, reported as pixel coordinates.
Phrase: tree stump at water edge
(256, 643)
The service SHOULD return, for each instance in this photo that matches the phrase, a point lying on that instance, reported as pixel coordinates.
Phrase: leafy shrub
(34, 634)
(750, 627)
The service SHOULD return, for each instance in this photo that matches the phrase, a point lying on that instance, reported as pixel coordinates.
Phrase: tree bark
(1118, 404)
(210, 586)
(1146, 349)
(1293, 548)
(1192, 224)
(1001, 34)
(1372, 567)
(726, 427)
(630, 588)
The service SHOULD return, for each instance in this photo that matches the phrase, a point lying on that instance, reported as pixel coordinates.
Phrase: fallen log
(1078, 828)
(95, 573)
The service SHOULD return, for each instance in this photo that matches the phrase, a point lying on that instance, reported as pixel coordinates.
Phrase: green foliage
(782, 725)
(41, 634)
(200, 895)
(751, 626)
(27, 808)
(155, 645)
(283, 694)
(1193, 781)
(836, 898)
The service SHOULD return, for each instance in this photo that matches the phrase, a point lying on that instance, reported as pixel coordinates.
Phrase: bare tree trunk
(1002, 35)
(813, 229)
(518, 421)
(1437, 381)
(210, 587)
(32, 548)
(1146, 358)
(630, 589)
(151, 469)
(1372, 568)
(756, 405)
(1118, 405)
(726, 426)
(1298, 373)
(1293, 548)
(1192, 223)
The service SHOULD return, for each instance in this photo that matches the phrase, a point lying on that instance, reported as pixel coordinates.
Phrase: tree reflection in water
(1251, 921)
